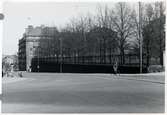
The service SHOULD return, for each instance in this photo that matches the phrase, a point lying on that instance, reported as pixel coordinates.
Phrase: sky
(18, 15)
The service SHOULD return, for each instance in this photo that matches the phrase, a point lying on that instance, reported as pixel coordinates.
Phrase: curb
(145, 80)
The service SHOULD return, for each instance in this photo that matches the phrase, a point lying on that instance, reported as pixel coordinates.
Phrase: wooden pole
(140, 36)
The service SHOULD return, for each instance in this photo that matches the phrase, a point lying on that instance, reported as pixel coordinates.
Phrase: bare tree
(154, 32)
(121, 19)
(105, 33)
(103, 18)
(148, 32)
(160, 32)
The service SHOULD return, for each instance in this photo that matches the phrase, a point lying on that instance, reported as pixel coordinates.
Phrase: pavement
(84, 93)
(15, 78)
(148, 77)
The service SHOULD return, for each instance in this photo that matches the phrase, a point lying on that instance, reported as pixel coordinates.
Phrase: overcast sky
(18, 15)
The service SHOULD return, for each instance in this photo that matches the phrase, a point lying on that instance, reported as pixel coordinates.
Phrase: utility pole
(38, 58)
(140, 36)
(61, 67)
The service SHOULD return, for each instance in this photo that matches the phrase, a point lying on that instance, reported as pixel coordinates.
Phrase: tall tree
(121, 18)
(159, 29)
(154, 32)
(148, 32)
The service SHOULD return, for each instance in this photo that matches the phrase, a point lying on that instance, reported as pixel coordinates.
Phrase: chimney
(30, 27)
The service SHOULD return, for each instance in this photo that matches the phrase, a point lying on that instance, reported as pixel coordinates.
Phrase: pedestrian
(115, 67)
(20, 74)
(7, 73)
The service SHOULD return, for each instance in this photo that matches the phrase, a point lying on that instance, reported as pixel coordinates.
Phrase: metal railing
(129, 59)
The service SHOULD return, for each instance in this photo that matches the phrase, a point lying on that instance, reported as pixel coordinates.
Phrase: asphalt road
(81, 93)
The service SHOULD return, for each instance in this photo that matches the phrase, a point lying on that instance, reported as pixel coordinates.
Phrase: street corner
(6, 80)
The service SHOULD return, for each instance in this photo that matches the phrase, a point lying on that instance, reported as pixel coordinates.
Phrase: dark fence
(87, 64)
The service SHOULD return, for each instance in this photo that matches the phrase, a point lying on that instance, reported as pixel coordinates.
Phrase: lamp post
(38, 58)
(140, 36)
(61, 67)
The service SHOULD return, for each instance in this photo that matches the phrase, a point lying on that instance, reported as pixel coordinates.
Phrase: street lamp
(140, 36)
(38, 58)
(61, 66)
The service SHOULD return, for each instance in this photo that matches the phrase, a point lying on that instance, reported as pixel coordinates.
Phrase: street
(83, 93)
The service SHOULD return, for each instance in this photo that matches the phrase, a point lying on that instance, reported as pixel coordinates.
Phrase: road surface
(83, 93)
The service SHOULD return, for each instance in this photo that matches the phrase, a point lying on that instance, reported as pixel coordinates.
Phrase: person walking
(115, 67)
(20, 74)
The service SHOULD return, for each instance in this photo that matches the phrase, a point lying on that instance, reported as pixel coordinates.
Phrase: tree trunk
(161, 57)
(148, 57)
(104, 50)
(122, 56)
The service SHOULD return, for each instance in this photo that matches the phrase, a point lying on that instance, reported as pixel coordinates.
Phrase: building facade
(26, 47)
(9, 63)
(29, 44)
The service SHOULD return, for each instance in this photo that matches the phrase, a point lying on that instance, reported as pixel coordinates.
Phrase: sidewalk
(12, 79)
(147, 77)
(150, 77)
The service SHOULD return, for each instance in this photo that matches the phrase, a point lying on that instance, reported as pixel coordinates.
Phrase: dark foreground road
(83, 93)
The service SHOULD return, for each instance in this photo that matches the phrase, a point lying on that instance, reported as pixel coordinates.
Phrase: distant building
(29, 44)
(9, 62)
(9, 59)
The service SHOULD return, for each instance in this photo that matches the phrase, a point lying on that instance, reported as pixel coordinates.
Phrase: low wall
(85, 68)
